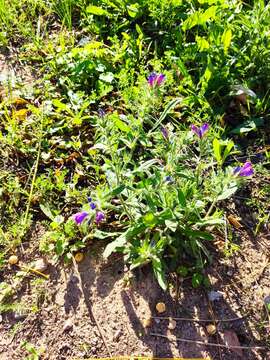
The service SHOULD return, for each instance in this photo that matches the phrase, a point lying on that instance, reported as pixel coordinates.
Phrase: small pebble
(160, 307)
(147, 322)
(79, 257)
(172, 324)
(19, 316)
(40, 265)
(215, 295)
(211, 329)
(13, 259)
(68, 325)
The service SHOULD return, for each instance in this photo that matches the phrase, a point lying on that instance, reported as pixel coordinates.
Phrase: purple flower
(155, 79)
(165, 133)
(101, 113)
(99, 217)
(91, 203)
(200, 131)
(93, 206)
(169, 179)
(79, 217)
(245, 170)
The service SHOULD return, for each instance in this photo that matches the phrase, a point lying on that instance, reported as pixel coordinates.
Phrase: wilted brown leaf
(19, 102)
(20, 114)
(234, 221)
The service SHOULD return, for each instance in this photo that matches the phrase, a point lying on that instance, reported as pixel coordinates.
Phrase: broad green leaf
(247, 126)
(139, 30)
(121, 125)
(166, 214)
(207, 74)
(117, 190)
(181, 198)
(227, 150)
(96, 10)
(159, 272)
(227, 193)
(47, 211)
(115, 245)
(203, 44)
(198, 234)
(199, 18)
(226, 39)
(149, 219)
(217, 150)
(191, 21)
(61, 106)
(133, 10)
(171, 224)
(121, 241)
(210, 13)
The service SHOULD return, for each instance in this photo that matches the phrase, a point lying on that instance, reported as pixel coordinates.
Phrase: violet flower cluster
(82, 215)
(200, 131)
(155, 79)
(245, 170)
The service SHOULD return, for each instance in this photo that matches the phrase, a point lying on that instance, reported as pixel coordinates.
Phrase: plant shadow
(122, 302)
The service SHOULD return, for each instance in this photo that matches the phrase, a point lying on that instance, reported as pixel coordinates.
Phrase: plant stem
(211, 208)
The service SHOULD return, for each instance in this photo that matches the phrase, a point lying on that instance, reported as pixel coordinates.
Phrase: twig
(210, 344)
(90, 309)
(26, 268)
(199, 320)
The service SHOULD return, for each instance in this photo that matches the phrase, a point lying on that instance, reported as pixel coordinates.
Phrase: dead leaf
(20, 114)
(231, 339)
(19, 102)
(234, 221)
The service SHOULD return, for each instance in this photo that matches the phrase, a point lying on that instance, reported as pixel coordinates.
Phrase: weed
(109, 116)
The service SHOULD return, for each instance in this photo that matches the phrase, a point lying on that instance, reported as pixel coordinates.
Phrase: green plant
(34, 353)
(167, 186)
(64, 9)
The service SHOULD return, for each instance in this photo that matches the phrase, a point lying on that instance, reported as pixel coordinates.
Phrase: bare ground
(67, 306)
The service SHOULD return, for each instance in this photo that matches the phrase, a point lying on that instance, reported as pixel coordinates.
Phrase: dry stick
(199, 320)
(92, 313)
(210, 344)
(29, 269)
